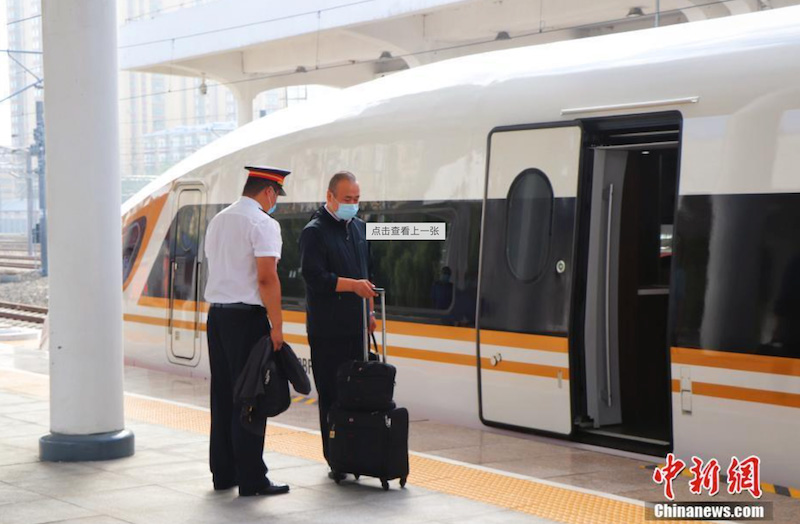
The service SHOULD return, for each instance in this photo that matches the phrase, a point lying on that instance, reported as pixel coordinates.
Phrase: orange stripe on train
(499, 338)
(736, 361)
(163, 322)
(520, 368)
(759, 396)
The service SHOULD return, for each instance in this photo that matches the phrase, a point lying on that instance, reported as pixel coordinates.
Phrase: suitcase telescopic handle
(382, 295)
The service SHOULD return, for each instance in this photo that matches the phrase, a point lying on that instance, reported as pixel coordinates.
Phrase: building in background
(17, 183)
(25, 68)
(155, 113)
(163, 118)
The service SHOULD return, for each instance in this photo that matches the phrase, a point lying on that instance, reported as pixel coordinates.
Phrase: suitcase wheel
(357, 476)
(337, 480)
(403, 482)
(385, 484)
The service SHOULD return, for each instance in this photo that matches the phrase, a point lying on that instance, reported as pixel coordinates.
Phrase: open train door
(526, 277)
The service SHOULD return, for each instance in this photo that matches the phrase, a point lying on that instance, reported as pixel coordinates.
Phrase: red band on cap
(268, 176)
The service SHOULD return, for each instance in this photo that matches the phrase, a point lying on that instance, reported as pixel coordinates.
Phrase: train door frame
(178, 326)
(646, 127)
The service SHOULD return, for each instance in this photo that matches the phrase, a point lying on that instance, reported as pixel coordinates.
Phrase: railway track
(22, 312)
(17, 257)
(18, 265)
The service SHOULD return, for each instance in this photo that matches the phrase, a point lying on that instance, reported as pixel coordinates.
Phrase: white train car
(622, 233)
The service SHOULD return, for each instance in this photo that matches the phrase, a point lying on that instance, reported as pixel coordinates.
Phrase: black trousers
(327, 354)
(236, 455)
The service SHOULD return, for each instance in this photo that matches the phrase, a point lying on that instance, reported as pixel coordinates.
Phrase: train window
(157, 281)
(185, 252)
(131, 242)
(293, 286)
(418, 274)
(529, 217)
(426, 281)
(186, 244)
(210, 212)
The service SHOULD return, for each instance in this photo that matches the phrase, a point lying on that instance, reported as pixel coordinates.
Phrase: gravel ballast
(31, 288)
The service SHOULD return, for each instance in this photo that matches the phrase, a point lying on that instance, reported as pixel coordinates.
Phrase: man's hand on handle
(364, 288)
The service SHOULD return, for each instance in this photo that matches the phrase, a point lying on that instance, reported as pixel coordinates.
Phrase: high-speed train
(622, 255)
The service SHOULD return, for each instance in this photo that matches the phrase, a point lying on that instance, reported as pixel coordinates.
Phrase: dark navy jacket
(330, 249)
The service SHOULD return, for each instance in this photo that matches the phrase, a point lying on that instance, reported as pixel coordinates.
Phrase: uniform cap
(269, 173)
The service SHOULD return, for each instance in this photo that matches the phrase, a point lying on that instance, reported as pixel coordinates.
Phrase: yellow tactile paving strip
(522, 495)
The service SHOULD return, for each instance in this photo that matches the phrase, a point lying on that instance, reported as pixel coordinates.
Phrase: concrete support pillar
(244, 107)
(83, 199)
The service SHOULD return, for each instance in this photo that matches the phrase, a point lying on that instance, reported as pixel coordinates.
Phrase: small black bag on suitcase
(367, 434)
(366, 385)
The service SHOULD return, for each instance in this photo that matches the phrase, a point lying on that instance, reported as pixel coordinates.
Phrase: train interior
(629, 188)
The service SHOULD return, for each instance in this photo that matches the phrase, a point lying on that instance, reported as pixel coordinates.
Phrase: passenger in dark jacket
(335, 262)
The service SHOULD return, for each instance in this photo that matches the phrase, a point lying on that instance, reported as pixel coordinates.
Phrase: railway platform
(457, 474)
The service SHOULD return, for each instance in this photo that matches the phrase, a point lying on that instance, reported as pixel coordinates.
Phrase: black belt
(238, 305)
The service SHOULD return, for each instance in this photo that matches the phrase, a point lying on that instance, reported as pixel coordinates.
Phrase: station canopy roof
(255, 45)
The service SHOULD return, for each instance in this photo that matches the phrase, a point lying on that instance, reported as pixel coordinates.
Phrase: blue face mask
(346, 211)
(274, 206)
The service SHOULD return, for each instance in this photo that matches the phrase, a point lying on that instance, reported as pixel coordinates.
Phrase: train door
(632, 168)
(526, 277)
(185, 263)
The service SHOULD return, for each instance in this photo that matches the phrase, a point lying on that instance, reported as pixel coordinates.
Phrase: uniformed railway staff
(242, 246)
(334, 260)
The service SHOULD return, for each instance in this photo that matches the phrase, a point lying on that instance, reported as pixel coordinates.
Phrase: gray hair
(338, 177)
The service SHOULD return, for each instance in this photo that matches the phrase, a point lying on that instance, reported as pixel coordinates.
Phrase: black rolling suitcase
(370, 442)
(374, 444)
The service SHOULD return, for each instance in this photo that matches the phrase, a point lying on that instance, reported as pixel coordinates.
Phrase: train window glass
(210, 212)
(131, 242)
(529, 215)
(192, 221)
(292, 285)
(185, 251)
(416, 274)
(158, 280)
(430, 281)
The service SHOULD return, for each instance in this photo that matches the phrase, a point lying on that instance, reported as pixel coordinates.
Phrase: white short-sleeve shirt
(235, 238)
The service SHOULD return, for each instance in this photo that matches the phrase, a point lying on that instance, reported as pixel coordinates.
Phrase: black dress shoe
(268, 489)
(222, 486)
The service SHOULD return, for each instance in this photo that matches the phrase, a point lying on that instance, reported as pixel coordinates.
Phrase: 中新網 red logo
(744, 475)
